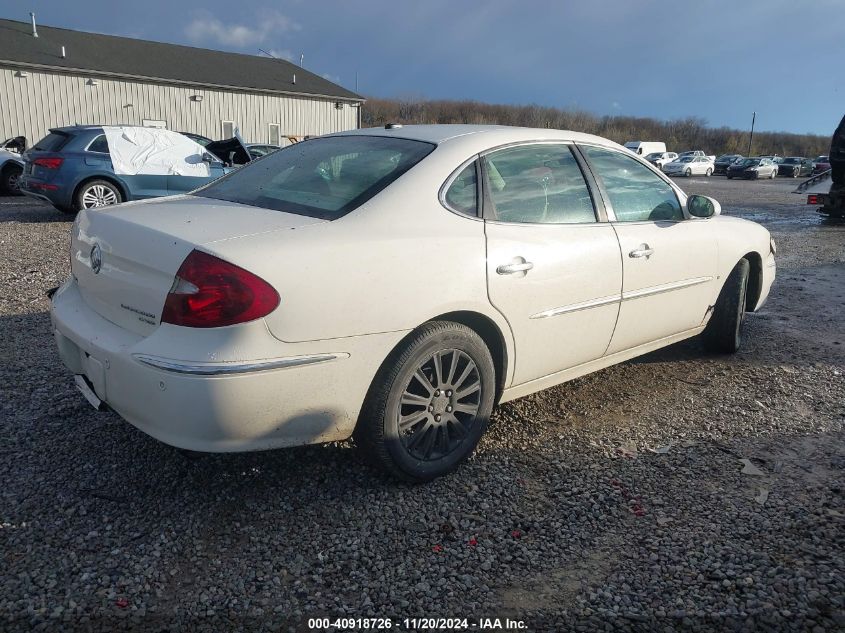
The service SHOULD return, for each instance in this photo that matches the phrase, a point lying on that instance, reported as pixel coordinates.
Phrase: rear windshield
(53, 142)
(324, 178)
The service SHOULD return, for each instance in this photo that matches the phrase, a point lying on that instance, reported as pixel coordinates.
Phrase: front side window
(636, 193)
(537, 184)
(462, 194)
(323, 178)
(99, 144)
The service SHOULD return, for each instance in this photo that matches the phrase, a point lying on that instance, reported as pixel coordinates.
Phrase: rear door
(553, 268)
(669, 259)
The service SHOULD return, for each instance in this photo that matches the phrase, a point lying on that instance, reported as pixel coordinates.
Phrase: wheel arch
(755, 280)
(492, 336)
(108, 178)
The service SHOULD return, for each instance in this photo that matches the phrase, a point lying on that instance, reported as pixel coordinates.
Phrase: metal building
(52, 77)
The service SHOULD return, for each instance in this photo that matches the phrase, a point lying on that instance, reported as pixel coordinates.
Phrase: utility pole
(751, 138)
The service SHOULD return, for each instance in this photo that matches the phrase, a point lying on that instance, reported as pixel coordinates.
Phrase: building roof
(128, 58)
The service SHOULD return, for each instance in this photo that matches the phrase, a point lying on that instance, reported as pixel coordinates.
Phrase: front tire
(688, 173)
(97, 193)
(723, 332)
(429, 403)
(708, 173)
(774, 173)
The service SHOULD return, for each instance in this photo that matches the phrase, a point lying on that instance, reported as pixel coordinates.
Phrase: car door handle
(509, 269)
(643, 250)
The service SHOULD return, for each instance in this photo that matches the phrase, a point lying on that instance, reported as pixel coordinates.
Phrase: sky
(718, 60)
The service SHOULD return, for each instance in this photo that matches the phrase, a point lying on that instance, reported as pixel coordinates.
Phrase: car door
(669, 258)
(553, 268)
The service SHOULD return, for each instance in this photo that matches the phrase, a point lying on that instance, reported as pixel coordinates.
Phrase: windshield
(324, 178)
(750, 161)
(686, 159)
(821, 159)
(791, 160)
(727, 158)
(654, 155)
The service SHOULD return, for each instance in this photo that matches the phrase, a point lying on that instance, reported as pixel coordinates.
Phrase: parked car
(795, 166)
(753, 168)
(286, 303)
(644, 148)
(720, 165)
(199, 138)
(257, 150)
(87, 166)
(11, 167)
(689, 166)
(821, 164)
(16, 144)
(658, 159)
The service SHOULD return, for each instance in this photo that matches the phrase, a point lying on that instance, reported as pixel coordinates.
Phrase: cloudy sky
(715, 59)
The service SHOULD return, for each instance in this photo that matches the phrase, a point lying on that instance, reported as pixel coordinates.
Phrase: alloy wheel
(439, 405)
(98, 196)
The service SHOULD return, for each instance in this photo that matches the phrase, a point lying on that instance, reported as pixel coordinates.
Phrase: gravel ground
(679, 491)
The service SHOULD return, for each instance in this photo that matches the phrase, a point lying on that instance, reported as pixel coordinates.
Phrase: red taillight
(49, 163)
(209, 292)
(812, 199)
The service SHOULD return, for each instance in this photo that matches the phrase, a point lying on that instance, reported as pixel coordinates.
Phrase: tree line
(679, 135)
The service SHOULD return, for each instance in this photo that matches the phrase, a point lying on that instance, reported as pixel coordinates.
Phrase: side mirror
(703, 206)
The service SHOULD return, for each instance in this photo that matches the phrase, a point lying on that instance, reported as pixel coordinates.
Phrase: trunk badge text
(96, 258)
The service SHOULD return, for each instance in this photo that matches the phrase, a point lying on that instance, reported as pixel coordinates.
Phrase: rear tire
(97, 193)
(429, 403)
(774, 173)
(10, 179)
(708, 173)
(723, 332)
(688, 173)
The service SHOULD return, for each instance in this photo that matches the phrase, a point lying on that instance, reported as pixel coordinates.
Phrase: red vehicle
(821, 164)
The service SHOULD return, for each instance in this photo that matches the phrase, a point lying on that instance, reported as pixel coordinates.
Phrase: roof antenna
(63, 52)
(301, 59)
(294, 78)
(34, 30)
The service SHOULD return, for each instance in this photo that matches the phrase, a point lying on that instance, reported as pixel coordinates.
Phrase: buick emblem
(96, 258)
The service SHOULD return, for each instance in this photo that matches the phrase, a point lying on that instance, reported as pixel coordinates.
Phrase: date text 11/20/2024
(416, 624)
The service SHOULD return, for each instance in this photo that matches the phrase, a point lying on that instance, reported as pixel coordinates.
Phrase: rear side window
(540, 184)
(462, 194)
(324, 178)
(53, 142)
(99, 144)
(636, 193)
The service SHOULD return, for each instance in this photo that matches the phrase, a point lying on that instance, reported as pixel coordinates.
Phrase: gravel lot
(619, 501)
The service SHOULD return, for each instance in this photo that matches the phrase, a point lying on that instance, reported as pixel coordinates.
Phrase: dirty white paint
(32, 104)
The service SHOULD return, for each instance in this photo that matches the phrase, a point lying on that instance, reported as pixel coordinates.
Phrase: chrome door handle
(509, 269)
(643, 251)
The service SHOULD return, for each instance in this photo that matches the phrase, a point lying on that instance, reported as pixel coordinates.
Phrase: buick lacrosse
(393, 285)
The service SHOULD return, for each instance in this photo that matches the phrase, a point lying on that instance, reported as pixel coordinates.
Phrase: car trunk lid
(125, 258)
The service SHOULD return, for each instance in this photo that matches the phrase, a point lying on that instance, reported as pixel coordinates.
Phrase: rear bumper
(301, 393)
(52, 193)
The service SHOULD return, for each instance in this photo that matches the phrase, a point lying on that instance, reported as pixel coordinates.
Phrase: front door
(669, 259)
(553, 270)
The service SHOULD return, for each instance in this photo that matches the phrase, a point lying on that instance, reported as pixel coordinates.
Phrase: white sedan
(394, 285)
(690, 166)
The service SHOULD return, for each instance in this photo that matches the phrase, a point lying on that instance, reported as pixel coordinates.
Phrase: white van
(644, 148)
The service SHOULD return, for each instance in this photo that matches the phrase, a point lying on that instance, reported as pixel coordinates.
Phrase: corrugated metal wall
(31, 105)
